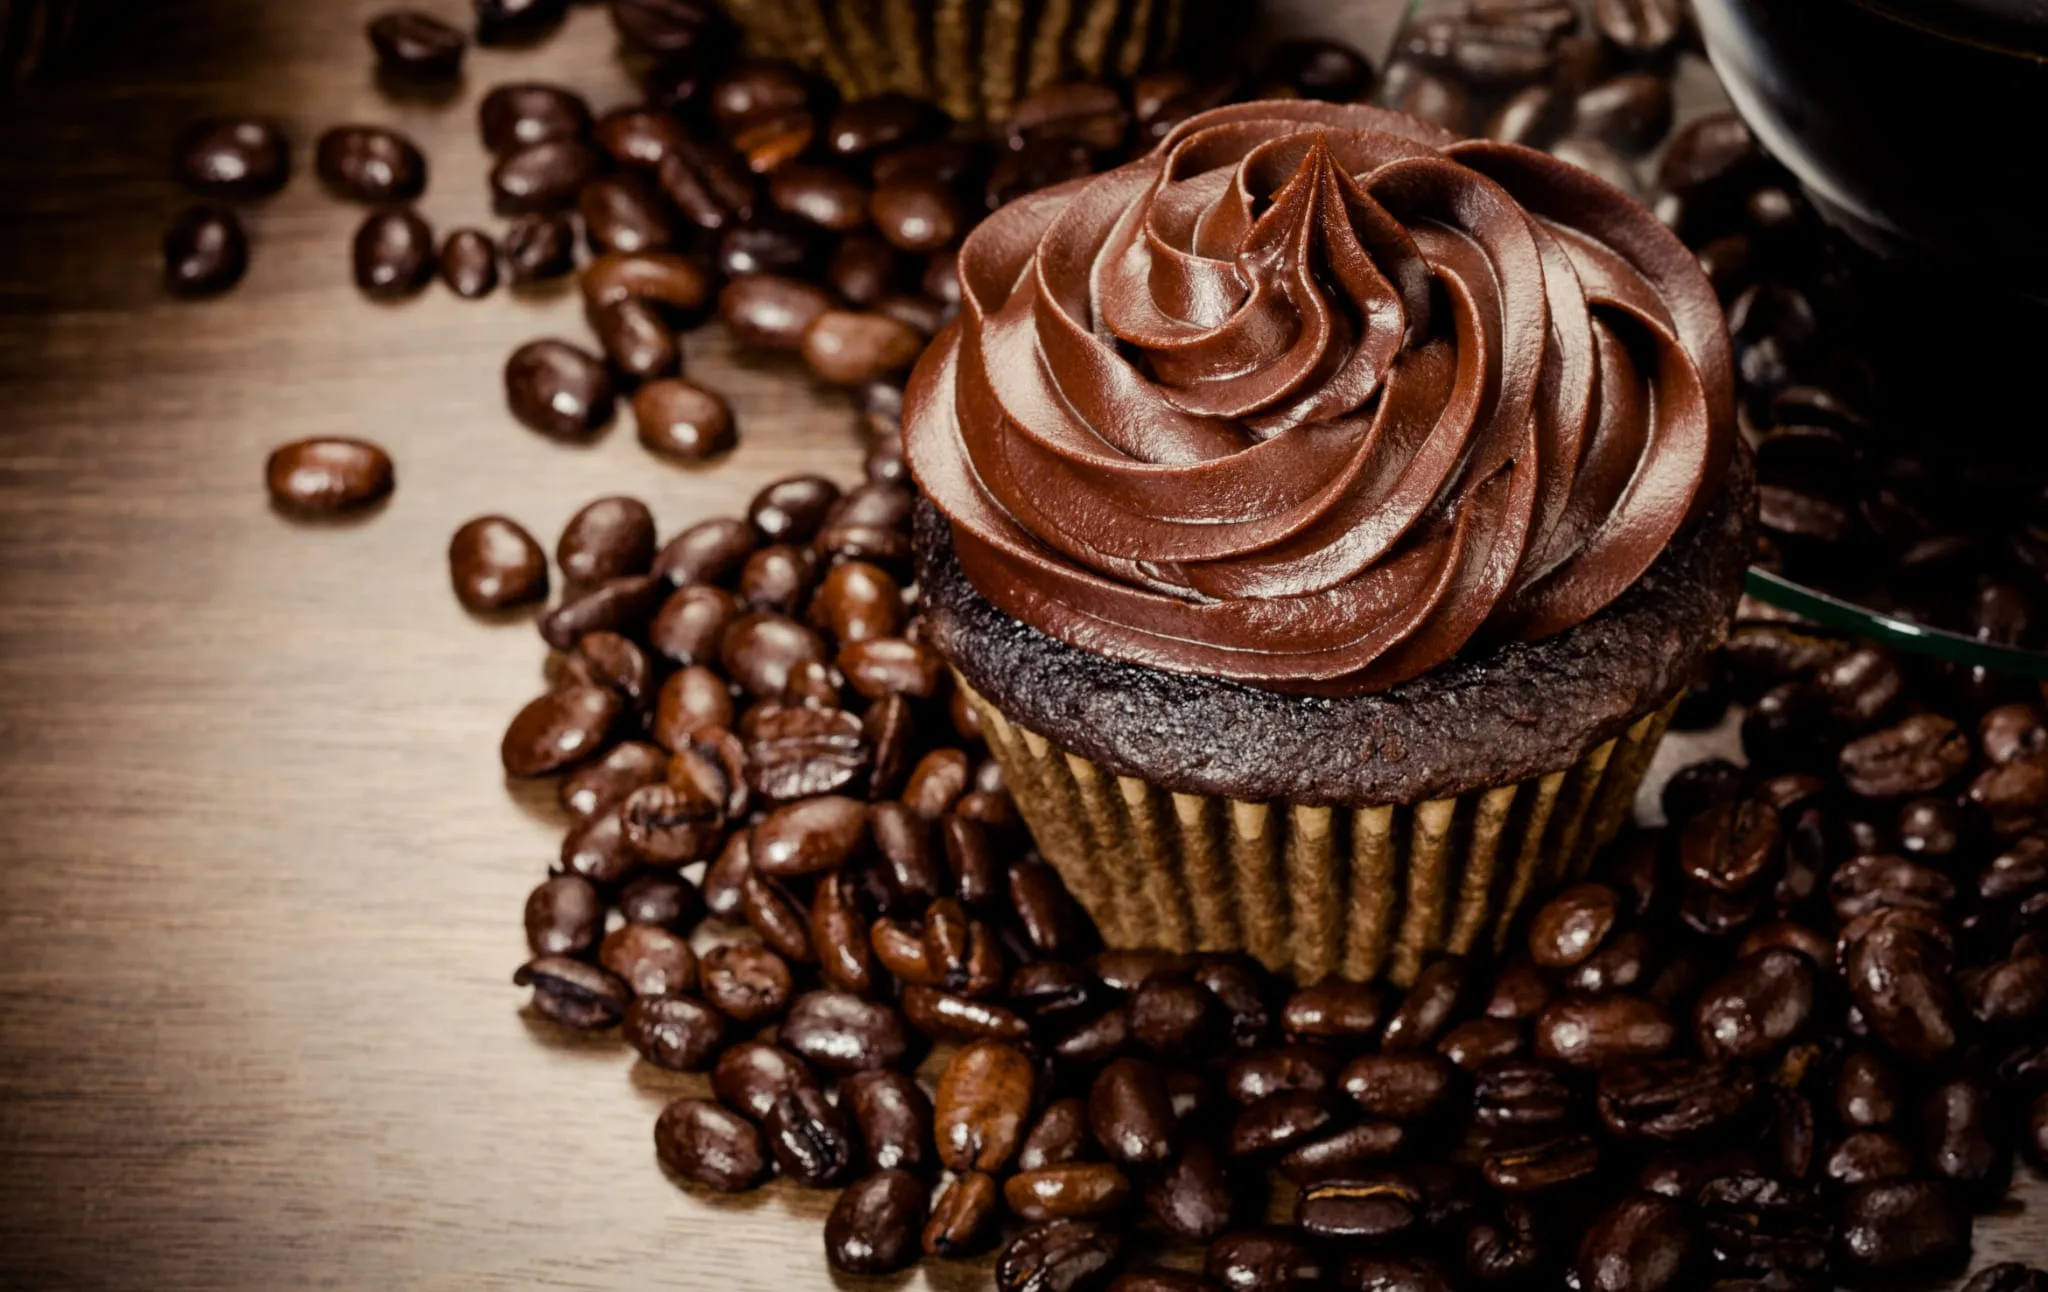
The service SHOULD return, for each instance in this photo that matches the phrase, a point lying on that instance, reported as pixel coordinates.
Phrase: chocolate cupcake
(1324, 516)
(974, 58)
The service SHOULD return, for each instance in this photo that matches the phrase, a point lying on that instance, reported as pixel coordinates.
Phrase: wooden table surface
(260, 874)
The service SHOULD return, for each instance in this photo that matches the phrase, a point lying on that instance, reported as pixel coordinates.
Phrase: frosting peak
(1314, 395)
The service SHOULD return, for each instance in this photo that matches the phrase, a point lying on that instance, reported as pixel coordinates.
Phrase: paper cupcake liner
(1362, 893)
(974, 58)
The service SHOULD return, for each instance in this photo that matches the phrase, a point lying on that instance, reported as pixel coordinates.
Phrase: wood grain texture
(260, 875)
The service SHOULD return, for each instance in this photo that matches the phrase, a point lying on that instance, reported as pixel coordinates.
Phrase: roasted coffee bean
(596, 849)
(623, 215)
(601, 783)
(1505, 1250)
(414, 44)
(1544, 1165)
(2007, 1276)
(501, 22)
(1332, 1010)
(1174, 1017)
(941, 776)
(1191, 1197)
(1869, 1155)
(894, 1118)
(770, 310)
(843, 1033)
(760, 648)
(1086, 112)
(573, 993)
(963, 1216)
(917, 215)
(544, 176)
(1419, 93)
(1674, 1100)
(1597, 1032)
(1640, 27)
(874, 1225)
(984, 1097)
(1866, 1091)
(639, 136)
(1761, 1003)
(813, 835)
(1375, 1209)
(946, 1016)
(1875, 881)
(849, 348)
(1730, 846)
(672, 283)
(1372, 1273)
(1051, 921)
(558, 389)
(903, 840)
(779, 577)
(638, 344)
(1631, 111)
(205, 252)
(1897, 981)
(1755, 1226)
(1431, 1003)
(1959, 1137)
(1058, 1256)
(539, 248)
(1318, 69)
(748, 984)
(1344, 1153)
(666, 901)
(1623, 961)
(1399, 1087)
(825, 196)
(1077, 1190)
(559, 729)
(674, 1032)
(564, 917)
(693, 701)
(1059, 1136)
(809, 1137)
(649, 959)
(751, 1076)
(1130, 1113)
(1533, 117)
(839, 936)
(666, 827)
(1094, 1041)
(1520, 1095)
(370, 164)
(1281, 1121)
(1916, 756)
(1263, 1260)
(607, 539)
(690, 625)
(707, 1145)
(1484, 54)
(517, 115)
(682, 420)
(608, 660)
(795, 752)
(778, 916)
(233, 158)
(469, 263)
(1519, 992)
(1570, 926)
(1640, 1243)
(326, 476)
(1899, 1227)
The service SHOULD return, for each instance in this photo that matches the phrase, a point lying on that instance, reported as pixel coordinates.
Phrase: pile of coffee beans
(1795, 1036)
(740, 191)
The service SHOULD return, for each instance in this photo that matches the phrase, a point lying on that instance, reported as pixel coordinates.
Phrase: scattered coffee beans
(328, 475)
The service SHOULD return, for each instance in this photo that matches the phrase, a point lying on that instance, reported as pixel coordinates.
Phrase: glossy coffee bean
(624, 214)
(573, 993)
(606, 539)
(637, 341)
(393, 254)
(1760, 1004)
(682, 420)
(748, 984)
(649, 959)
(1077, 1190)
(963, 1216)
(520, 114)
(1593, 1033)
(673, 283)
(894, 1119)
(874, 1226)
(917, 215)
(620, 606)
(1960, 1138)
(1318, 69)
(558, 389)
(665, 901)
(370, 164)
(1640, 27)
(1130, 1113)
(1570, 926)
(410, 43)
(596, 848)
(606, 780)
(1086, 112)
(539, 247)
(843, 1033)
(752, 1075)
(1899, 1227)
(1399, 1087)
(544, 176)
(233, 158)
(205, 252)
(810, 1138)
(760, 648)
(325, 476)
(1640, 1243)
(500, 22)
(673, 1032)
(771, 311)
(564, 917)
(1192, 1198)
(710, 1146)
(1631, 111)
(1263, 1260)
(1058, 1256)
(984, 1098)
(849, 348)
(638, 136)
(495, 565)
(1332, 1010)
(469, 263)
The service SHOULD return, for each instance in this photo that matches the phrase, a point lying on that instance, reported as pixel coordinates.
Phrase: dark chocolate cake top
(1315, 395)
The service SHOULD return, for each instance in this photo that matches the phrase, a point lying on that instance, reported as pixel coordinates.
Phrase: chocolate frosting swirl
(1314, 395)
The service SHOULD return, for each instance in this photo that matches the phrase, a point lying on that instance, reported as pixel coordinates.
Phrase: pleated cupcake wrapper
(974, 58)
(1362, 893)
